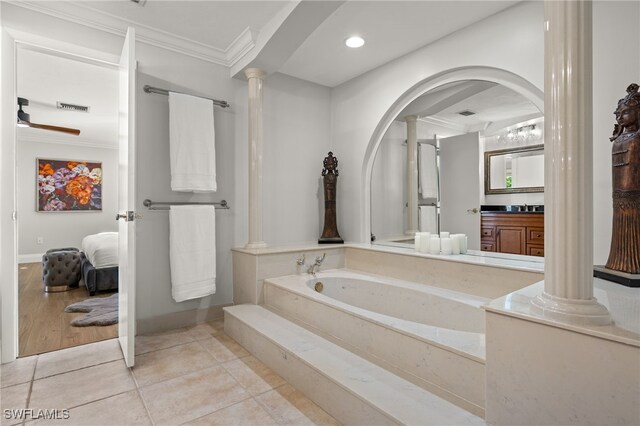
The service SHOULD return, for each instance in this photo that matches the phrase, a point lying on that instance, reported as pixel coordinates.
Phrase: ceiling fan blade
(55, 128)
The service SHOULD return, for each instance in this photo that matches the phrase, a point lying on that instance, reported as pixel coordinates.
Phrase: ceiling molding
(24, 135)
(241, 45)
(103, 21)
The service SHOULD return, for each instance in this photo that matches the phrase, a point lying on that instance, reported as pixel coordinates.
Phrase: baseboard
(179, 319)
(30, 258)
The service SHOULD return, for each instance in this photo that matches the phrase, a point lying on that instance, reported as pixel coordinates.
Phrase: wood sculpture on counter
(330, 233)
(623, 265)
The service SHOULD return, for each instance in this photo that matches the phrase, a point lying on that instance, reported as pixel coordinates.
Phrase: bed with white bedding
(100, 262)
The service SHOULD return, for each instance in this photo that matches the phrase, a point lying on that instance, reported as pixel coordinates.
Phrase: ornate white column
(568, 221)
(255, 78)
(412, 174)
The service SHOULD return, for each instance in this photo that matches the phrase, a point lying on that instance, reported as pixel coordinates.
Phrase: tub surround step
(352, 389)
(446, 362)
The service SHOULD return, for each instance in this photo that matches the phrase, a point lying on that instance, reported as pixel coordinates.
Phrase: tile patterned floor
(194, 375)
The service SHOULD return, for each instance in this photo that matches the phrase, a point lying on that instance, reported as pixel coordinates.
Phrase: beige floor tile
(13, 398)
(122, 410)
(223, 348)
(290, 407)
(18, 371)
(204, 330)
(256, 377)
(166, 339)
(191, 396)
(79, 387)
(247, 412)
(154, 367)
(77, 357)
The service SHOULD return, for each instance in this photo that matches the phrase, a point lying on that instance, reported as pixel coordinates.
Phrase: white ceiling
(390, 29)
(214, 23)
(44, 79)
(224, 31)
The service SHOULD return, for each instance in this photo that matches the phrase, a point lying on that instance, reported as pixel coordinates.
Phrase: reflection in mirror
(514, 170)
(428, 173)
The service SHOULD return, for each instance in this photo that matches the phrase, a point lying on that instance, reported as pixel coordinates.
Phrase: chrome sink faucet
(314, 267)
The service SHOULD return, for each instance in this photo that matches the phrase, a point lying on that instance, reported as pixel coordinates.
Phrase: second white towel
(428, 171)
(192, 241)
(192, 143)
(428, 219)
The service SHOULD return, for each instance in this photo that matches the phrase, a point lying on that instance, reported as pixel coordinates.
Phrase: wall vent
(466, 112)
(72, 107)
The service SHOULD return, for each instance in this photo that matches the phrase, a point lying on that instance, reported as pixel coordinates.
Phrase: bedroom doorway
(66, 195)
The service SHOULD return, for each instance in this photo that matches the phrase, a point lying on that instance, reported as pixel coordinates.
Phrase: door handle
(129, 216)
(473, 210)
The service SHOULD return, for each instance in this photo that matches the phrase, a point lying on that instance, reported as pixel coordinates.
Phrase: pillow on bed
(101, 249)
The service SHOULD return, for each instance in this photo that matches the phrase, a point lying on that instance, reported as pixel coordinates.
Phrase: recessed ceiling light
(354, 42)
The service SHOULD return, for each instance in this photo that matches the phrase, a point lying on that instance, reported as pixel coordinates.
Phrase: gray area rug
(100, 311)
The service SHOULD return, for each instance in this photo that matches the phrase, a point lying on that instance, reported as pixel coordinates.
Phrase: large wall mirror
(441, 185)
(513, 170)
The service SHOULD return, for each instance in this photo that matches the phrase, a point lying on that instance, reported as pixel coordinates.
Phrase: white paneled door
(126, 199)
(460, 187)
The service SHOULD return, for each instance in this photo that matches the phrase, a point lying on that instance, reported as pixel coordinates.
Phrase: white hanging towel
(427, 219)
(428, 171)
(192, 251)
(192, 143)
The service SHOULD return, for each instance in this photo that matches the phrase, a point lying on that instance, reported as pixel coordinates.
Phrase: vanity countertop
(513, 208)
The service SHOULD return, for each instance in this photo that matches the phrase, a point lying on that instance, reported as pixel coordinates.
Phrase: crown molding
(89, 17)
(241, 45)
(30, 136)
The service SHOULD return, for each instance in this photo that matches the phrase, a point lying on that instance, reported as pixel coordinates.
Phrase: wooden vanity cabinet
(516, 233)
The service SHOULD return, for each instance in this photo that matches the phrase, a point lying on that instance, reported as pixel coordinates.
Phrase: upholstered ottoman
(61, 269)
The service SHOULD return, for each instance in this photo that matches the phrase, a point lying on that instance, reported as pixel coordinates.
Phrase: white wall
(389, 185)
(296, 140)
(511, 40)
(616, 64)
(297, 131)
(61, 229)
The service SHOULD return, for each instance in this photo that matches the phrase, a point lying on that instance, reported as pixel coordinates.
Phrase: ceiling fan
(24, 121)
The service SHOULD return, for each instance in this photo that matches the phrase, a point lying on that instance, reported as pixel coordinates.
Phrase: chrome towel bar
(165, 205)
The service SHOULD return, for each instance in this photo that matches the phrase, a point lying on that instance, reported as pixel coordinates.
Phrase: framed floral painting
(65, 185)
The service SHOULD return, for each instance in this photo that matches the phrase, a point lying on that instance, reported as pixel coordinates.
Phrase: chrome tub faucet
(314, 267)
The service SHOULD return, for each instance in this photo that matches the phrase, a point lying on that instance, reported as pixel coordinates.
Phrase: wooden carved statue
(330, 233)
(624, 255)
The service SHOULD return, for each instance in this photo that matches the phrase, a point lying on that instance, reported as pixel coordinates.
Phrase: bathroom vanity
(512, 229)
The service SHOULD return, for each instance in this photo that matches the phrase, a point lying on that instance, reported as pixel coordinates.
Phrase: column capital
(255, 73)
(410, 118)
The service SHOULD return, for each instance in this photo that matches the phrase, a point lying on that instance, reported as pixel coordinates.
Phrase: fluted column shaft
(568, 278)
(412, 174)
(255, 79)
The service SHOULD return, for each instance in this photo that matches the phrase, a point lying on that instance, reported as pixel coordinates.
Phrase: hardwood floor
(43, 324)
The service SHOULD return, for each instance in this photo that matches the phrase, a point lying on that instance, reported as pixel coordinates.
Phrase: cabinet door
(511, 239)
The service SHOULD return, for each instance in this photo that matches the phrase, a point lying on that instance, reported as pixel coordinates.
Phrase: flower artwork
(69, 185)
